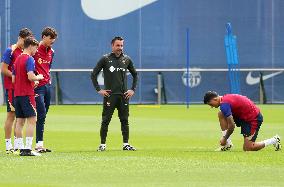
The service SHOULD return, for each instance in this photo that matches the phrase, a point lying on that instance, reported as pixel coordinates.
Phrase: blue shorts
(25, 106)
(9, 94)
(250, 129)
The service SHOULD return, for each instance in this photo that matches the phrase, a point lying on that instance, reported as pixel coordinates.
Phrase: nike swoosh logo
(255, 80)
(109, 9)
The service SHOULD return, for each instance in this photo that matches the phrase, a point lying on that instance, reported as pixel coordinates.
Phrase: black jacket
(115, 73)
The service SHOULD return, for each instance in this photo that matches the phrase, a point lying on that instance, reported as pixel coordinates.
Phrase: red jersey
(23, 86)
(9, 57)
(43, 60)
(239, 106)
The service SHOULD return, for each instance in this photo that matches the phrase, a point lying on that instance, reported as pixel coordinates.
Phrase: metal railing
(159, 78)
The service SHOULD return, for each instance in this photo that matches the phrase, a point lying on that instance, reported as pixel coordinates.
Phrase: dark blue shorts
(9, 94)
(25, 106)
(250, 129)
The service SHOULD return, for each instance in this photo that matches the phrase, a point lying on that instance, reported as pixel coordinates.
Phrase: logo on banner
(109, 9)
(255, 80)
(194, 78)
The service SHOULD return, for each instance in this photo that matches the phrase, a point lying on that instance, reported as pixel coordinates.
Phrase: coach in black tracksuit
(116, 95)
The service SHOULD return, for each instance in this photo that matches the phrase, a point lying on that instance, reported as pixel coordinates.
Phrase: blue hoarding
(155, 37)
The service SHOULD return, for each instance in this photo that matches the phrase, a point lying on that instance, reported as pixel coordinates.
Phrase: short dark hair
(209, 95)
(116, 38)
(49, 31)
(25, 32)
(30, 41)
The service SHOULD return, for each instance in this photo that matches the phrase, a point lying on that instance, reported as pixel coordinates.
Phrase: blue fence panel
(155, 37)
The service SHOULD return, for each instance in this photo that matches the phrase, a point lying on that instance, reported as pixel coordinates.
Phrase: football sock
(39, 144)
(20, 143)
(269, 141)
(29, 142)
(8, 144)
(15, 142)
(229, 141)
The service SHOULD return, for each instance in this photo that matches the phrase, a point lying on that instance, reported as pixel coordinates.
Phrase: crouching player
(242, 111)
(24, 81)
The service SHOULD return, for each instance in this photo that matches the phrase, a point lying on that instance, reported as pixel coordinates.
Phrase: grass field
(175, 148)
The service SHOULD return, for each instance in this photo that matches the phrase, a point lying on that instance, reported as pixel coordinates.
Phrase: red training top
(239, 106)
(23, 86)
(43, 60)
(9, 57)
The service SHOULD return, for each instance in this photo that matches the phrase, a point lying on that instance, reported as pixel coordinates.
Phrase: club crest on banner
(194, 78)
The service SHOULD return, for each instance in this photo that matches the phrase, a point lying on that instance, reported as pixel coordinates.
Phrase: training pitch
(175, 148)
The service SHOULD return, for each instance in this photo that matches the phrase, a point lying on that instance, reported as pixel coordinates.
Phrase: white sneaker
(128, 148)
(28, 152)
(277, 145)
(227, 147)
(101, 148)
(34, 153)
(10, 151)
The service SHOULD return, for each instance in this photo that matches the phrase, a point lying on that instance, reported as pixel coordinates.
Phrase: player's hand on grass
(223, 141)
(39, 77)
(129, 94)
(104, 93)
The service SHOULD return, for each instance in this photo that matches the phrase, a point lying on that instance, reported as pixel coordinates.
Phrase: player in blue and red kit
(239, 110)
(43, 60)
(25, 80)
(8, 59)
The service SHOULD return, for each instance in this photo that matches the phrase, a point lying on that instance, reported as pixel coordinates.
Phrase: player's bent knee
(247, 148)
(248, 145)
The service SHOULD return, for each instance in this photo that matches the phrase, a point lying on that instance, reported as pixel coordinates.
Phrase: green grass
(175, 148)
